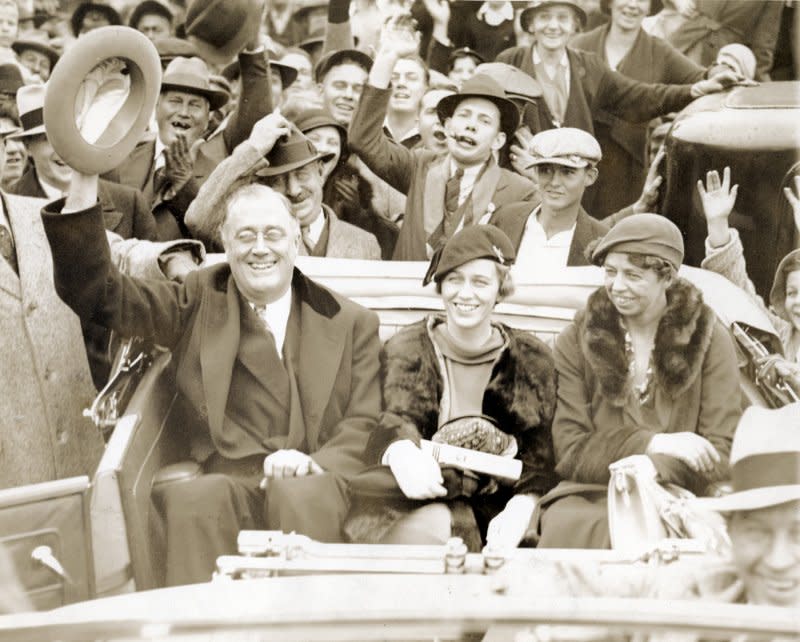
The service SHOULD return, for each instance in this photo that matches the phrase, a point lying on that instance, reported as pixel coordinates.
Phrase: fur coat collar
(682, 338)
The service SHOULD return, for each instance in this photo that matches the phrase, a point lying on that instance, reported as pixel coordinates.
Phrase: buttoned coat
(336, 369)
(44, 377)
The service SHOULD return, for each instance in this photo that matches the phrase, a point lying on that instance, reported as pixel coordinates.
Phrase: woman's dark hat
(649, 234)
(470, 243)
(341, 56)
(220, 29)
(37, 40)
(291, 153)
(115, 143)
(483, 86)
(192, 76)
(777, 295)
(76, 21)
(526, 17)
(149, 7)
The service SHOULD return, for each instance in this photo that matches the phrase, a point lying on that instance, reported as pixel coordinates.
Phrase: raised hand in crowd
(398, 39)
(417, 473)
(649, 197)
(519, 154)
(439, 11)
(692, 449)
(180, 159)
(794, 201)
(268, 130)
(717, 199)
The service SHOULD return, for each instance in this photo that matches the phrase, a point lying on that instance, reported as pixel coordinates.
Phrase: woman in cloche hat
(466, 380)
(645, 369)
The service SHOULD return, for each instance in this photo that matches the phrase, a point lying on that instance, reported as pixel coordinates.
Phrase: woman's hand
(417, 473)
(519, 154)
(509, 526)
(794, 201)
(717, 200)
(695, 451)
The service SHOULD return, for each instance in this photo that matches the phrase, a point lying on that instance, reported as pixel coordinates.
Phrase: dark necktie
(7, 247)
(452, 191)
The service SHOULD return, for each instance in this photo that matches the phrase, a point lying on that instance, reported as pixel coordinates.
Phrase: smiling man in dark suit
(279, 375)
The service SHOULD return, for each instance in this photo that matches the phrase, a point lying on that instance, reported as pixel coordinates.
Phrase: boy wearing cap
(444, 192)
(555, 233)
(340, 76)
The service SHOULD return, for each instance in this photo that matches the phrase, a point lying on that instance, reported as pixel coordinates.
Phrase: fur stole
(682, 339)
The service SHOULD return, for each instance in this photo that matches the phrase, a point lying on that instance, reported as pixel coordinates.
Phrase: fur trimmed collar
(682, 338)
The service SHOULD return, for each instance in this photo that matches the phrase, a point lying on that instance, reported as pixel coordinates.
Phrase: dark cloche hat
(470, 243)
(650, 234)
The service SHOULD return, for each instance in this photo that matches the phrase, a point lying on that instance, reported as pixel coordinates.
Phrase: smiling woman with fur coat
(645, 369)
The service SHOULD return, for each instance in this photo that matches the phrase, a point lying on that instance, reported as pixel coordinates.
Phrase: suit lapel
(321, 344)
(138, 171)
(580, 239)
(219, 345)
(111, 215)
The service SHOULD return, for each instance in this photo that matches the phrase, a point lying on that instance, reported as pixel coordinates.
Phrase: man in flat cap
(555, 233)
(444, 192)
(278, 376)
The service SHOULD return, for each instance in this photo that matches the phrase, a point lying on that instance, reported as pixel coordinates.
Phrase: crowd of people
(495, 141)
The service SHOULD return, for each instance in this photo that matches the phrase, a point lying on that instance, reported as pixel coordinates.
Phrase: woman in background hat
(645, 368)
(457, 365)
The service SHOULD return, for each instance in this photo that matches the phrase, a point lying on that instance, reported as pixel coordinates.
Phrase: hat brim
(509, 113)
(147, 8)
(752, 499)
(558, 160)
(125, 130)
(216, 99)
(18, 134)
(527, 15)
(287, 72)
(21, 45)
(277, 170)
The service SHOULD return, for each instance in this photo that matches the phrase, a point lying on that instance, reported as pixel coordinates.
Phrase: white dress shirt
(315, 229)
(276, 316)
(539, 255)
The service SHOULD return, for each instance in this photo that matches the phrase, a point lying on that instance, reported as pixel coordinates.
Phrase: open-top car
(78, 538)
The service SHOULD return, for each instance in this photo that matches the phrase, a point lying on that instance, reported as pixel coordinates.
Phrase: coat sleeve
(583, 450)
(255, 100)
(631, 100)
(720, 409)
(678, 68)
(765, 36)
(391, 161)
(205, 215)
(343, 451)
(89, 283)
(144, 223)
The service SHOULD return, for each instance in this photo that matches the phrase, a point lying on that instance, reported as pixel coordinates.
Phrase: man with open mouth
(445, 191)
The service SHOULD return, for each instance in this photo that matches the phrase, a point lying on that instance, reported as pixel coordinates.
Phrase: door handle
(44, 556)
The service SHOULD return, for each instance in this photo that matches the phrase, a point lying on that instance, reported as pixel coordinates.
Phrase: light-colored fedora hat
(115, 143)
(30, 105)
(192, 76)
(765, 461)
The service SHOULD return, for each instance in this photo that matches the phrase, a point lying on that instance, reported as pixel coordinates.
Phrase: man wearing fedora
(278, 375)
(170, 167)
(35, 54)
(445, 192)
(295, 169)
